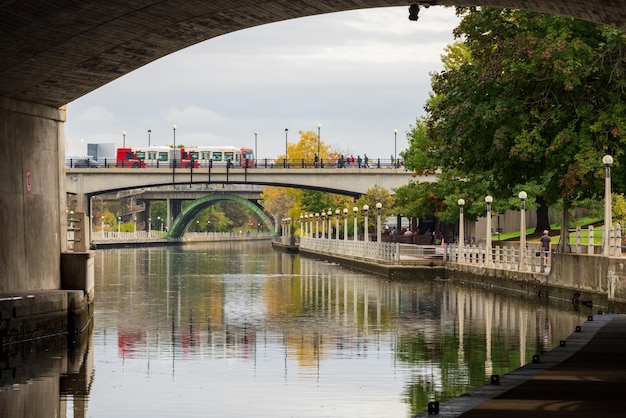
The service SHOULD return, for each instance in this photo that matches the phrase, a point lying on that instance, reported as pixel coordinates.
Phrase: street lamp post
(365, 222)
(256, 156)
(337, 212)
(395, 148)
(149, 132)
(306, 224)
(134, 226)
(488, 250)
(317, 225)
(319, 157)
(102, 219)
(323, 224)
(123, 139)
(174, 162)
(356, 235)
(301, 225)
(286, 156)
(149, 226)
(379, 233)
(461, 256)
(119, 223)
(329, 215)
(607, 160)
(522, 233)
(345, 224)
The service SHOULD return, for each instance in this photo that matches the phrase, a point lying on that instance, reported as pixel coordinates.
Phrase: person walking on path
(545, 246)
(366, 161)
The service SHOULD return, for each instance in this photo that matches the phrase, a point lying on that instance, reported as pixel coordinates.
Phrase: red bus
(129, 158)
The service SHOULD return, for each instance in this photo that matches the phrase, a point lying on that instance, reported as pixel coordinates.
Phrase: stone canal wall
(590, 280)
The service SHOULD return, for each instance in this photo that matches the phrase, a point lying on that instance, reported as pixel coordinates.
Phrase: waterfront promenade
(584, 377)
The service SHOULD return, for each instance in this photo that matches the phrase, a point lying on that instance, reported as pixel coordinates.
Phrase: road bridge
(351, 182)
(52, 53)
(88, 182)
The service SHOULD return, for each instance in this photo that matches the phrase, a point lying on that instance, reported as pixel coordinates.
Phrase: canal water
(238, 329)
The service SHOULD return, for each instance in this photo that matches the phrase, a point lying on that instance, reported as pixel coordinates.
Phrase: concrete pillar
(32, 196)
(174, 208)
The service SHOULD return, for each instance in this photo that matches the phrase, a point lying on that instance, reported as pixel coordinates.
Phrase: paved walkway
(584, 377)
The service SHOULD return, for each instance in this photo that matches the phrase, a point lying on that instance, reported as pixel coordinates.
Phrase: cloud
(361, 74)
(95, 114)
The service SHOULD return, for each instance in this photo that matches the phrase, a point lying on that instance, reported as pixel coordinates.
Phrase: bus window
(217, 156)
(141, 155)
(206, 155)
(130, 155)
(152, 155)
(162, 156)
(193, 155)
(228, 156)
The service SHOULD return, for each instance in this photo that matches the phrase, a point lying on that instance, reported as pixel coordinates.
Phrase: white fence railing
(509, 257)
(110, 236)
(362, 249)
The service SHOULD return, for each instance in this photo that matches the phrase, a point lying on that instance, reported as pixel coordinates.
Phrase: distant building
(97, 152)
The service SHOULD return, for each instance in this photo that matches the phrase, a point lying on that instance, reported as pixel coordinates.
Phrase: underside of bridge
(53, 52)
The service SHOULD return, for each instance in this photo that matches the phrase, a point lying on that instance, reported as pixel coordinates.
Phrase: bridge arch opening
(182, 221)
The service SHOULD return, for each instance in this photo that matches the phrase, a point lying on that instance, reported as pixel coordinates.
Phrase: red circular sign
(29, 182)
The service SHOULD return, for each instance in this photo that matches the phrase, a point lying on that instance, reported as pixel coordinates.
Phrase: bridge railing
(291, 163)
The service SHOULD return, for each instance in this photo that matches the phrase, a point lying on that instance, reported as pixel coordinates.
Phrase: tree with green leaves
(528, 99)
(376, 194)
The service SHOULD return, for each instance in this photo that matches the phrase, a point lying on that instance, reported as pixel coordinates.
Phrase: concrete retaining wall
(593, 281)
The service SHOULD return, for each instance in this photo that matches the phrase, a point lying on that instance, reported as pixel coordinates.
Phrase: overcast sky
(360, 74)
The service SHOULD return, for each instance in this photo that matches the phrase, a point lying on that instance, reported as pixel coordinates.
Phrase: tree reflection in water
(238, 329)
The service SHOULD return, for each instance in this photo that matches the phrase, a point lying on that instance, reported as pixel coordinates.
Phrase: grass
(531, 236)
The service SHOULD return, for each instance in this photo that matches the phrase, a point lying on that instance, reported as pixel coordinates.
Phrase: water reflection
(46, 378)
(234, 329)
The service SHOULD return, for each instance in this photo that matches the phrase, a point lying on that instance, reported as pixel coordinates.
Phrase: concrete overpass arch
(103, 41)
(182, 221)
